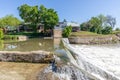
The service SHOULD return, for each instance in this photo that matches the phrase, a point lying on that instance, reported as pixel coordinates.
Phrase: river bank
(92, 38)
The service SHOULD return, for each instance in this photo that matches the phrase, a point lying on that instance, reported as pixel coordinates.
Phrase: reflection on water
(29, 45)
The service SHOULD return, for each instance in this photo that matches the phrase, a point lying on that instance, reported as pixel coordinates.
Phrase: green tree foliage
(29, 13)
(35, 15)
(49, 17)
(100, 24)
(9, 20)
(1, 34)
(95, 25)
(67, 31)
(107, 30)
(85, 26)
(102, 19)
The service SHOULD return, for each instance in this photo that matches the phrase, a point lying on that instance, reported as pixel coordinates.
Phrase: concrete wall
(33, 56)
(93, 40)
(57, 33)
(22, 38)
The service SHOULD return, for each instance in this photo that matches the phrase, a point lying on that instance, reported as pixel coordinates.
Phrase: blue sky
(71, 10)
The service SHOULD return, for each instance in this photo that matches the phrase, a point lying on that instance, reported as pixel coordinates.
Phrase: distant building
(61, 25)
(26, 27)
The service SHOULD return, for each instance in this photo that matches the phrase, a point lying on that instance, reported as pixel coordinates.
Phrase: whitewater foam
(107, 57)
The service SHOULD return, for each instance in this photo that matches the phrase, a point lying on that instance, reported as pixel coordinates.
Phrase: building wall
(62, 25)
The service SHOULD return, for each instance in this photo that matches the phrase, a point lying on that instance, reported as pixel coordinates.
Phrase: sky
(71, 10)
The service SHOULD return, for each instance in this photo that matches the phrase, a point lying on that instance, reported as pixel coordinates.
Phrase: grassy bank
(116, 32)
(89, 34)
(83, 34)
(10, 37)
(15, 36)
(29, 34)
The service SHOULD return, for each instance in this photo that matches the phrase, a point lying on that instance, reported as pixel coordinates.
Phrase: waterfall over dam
(98, 63)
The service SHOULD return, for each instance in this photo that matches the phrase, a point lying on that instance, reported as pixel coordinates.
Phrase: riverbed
(20, 71)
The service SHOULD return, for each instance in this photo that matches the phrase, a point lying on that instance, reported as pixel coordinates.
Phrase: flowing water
(65, 69)
(107, 57)
(100, 61)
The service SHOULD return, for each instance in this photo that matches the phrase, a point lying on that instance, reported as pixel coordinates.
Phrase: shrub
(107, 30)
(117, 29)
(10, 37)
(67, 31)
(1, 34)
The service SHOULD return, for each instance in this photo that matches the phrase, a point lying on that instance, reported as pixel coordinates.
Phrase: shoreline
(107, 39)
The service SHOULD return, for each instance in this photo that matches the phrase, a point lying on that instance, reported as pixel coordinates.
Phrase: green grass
(14, 36)
(89, 34)
(83, 34)
(29, 34)
(116, 32)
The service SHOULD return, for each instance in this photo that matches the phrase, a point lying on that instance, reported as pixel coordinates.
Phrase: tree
(102, 19)
(9, 20)
(67, 31)
(29, 13)
(49, 17)
(111, 21)
(95, 25)
(99, 24)
(35, 15)
(85, 26)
